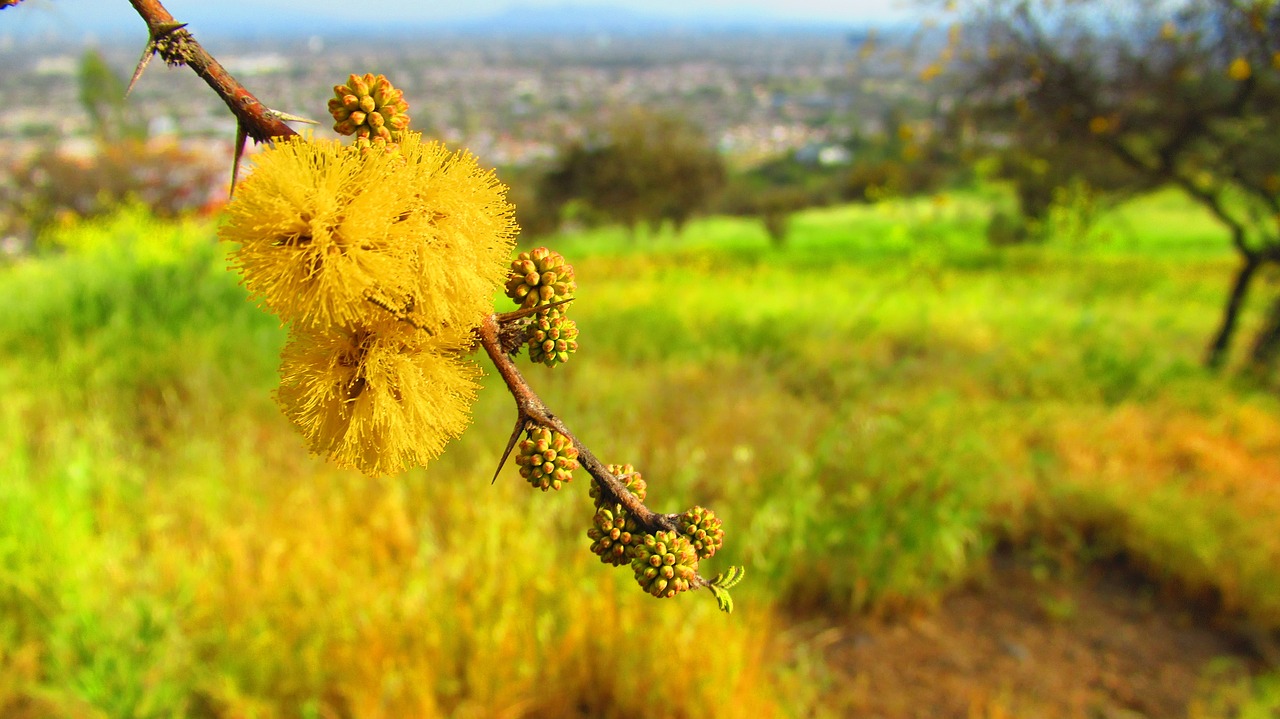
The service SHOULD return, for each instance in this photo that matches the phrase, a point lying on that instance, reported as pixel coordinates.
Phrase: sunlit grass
(871, 409)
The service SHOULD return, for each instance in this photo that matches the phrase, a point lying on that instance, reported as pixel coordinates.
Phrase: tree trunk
(1217, 353)
(1266, 346)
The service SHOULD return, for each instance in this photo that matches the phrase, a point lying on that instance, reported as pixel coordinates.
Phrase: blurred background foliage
(56, 185)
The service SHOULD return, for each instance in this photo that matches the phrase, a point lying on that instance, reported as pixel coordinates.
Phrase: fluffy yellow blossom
(378, 399)
(332, 236)
(468, 230)
(319, 230)
(382, 263)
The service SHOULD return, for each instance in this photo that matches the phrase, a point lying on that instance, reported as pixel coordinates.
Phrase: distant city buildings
(511, 101)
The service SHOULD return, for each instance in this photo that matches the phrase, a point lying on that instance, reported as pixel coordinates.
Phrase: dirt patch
(1104, 645)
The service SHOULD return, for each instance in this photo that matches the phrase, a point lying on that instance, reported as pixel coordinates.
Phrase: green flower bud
(540, 277)
(664, 564)
(552, 338)
(369, 107)
(546, 458)
(359, 85)
(631, 479)
(612, 535)
(703, 529)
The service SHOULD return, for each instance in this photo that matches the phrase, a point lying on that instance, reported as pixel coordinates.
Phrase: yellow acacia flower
(332, 236)
(468, 231)
(320, 233)
(378, 399)
(382, 263)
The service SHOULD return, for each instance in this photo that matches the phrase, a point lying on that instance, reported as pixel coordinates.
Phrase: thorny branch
(531, 408)
(174, 43)
(176, 46)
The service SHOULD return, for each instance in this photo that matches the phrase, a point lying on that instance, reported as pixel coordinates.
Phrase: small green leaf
(729, 579)
(722, 598)
(721, 585)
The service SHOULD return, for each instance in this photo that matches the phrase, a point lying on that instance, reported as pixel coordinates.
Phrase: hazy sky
(109, 16)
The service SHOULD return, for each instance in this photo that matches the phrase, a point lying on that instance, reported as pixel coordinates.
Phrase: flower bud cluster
(703, 529)
(613, 535)
(370, 108)
(665, 564)
(552, 338)
(630, 478)
(547, 458)
(540, 277)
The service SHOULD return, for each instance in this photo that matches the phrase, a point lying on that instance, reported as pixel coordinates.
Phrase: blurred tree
(1135, 94)
(775, 206)
(774, 191)
(536, 215)
(640, 167)
(1043, 175)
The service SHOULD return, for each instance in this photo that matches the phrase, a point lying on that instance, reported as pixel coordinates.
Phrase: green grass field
(872, 410)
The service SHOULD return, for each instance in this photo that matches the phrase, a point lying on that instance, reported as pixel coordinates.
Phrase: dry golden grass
(1192, 497)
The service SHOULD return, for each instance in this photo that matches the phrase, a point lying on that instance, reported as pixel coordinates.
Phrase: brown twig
(176, 45)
